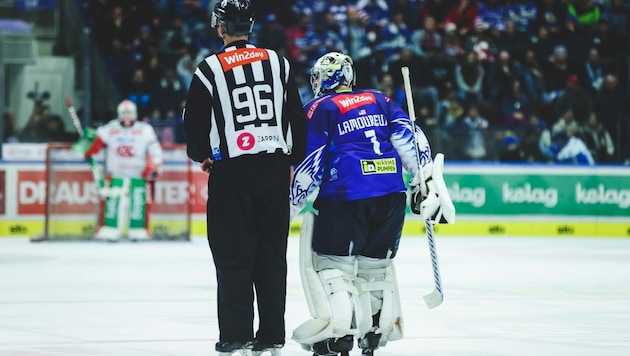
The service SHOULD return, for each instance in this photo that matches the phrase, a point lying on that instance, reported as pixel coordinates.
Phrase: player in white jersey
(132, 155)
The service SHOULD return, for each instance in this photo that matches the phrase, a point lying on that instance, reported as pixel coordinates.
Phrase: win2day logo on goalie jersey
(378, 166)
(347, 102)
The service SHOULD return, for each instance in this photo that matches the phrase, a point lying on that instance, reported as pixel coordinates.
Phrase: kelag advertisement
(490, 200)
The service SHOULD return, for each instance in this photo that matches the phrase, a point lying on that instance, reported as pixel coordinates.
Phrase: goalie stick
(94, 166)
(436, 297)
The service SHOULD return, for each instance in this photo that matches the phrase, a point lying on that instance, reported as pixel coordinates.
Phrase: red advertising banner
(199, 192)
(172, 191)
(31, 192)
(75, 192)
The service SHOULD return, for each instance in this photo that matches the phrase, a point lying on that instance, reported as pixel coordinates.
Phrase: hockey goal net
(72, 203)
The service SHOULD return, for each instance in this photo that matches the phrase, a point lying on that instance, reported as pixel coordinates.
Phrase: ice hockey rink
(503, 296)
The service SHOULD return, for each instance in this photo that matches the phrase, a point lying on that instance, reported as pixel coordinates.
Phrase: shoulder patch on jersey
(347, 102)
(313, 107)
(241, 56)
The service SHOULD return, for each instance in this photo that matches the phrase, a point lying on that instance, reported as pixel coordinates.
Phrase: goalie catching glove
(429, 195)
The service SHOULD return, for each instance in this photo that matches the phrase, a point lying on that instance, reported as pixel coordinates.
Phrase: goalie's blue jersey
(359, 142)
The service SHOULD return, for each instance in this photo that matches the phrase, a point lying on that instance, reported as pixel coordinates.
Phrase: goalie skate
(108, 233)
(138, 234)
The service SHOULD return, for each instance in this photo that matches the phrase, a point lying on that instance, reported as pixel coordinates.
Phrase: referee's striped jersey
(241, 101)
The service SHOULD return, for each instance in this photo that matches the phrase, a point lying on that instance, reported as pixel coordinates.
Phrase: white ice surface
(503, 296)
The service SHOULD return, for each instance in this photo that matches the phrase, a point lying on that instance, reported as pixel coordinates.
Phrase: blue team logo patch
(216, 153)
(306, 176)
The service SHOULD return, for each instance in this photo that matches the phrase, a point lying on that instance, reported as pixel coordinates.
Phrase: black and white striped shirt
(242, 101)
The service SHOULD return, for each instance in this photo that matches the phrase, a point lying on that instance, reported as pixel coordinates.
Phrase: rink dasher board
(513, 228)
(412, 227)
(473, 217)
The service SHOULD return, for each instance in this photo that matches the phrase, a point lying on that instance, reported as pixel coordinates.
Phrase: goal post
(72, 203)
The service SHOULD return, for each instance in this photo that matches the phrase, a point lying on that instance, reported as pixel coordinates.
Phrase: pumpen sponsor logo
(526, 194)
(474, 196)
(601, 195)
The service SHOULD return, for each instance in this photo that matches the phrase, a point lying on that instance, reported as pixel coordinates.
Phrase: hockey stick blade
(433, 299)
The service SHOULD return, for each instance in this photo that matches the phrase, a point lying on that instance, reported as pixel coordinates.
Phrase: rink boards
(80, 224)
(491, 200)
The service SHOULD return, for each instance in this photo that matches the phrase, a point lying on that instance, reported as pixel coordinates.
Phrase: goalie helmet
(331, 71)
(236, 16)
(127, 111)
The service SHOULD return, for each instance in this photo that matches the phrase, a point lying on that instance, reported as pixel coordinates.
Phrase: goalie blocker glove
(429, 195)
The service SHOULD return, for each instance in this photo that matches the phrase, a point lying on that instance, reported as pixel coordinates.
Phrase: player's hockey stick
(436, 297)
(94, 167)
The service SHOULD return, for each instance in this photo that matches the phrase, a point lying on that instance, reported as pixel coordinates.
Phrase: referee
(245, 123)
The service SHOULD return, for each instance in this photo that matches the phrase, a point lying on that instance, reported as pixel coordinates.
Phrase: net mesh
(72, 203)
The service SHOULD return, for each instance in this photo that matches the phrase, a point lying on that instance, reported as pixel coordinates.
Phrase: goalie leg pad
(330, 294)
(378, 288)
(114, 210)
(138, 210)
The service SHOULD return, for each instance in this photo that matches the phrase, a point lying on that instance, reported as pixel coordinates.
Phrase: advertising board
(490, 200)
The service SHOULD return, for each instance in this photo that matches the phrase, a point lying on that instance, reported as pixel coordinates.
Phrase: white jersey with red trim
(129, 150)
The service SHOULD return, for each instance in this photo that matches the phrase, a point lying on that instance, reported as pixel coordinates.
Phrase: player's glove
(429, 195)
(153, 170)
(418, 192)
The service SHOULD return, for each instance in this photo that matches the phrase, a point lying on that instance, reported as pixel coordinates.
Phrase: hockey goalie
(359, 143)
(133, 158)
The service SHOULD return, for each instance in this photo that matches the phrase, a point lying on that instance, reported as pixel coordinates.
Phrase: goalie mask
(127, 112)
(236, 16)
(331, 71)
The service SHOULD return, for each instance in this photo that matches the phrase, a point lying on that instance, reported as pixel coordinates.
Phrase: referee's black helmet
(236, 16)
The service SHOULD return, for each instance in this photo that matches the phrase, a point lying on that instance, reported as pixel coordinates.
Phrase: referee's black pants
(248, 225)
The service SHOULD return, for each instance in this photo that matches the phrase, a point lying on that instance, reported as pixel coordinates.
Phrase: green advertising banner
(530, 194)
(535, 200)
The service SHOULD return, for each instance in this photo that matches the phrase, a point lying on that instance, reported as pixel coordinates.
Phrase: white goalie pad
(378, 291)
(438, 206)
(330, 294)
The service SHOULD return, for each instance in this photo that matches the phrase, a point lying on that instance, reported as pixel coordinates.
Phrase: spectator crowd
(500, 80)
